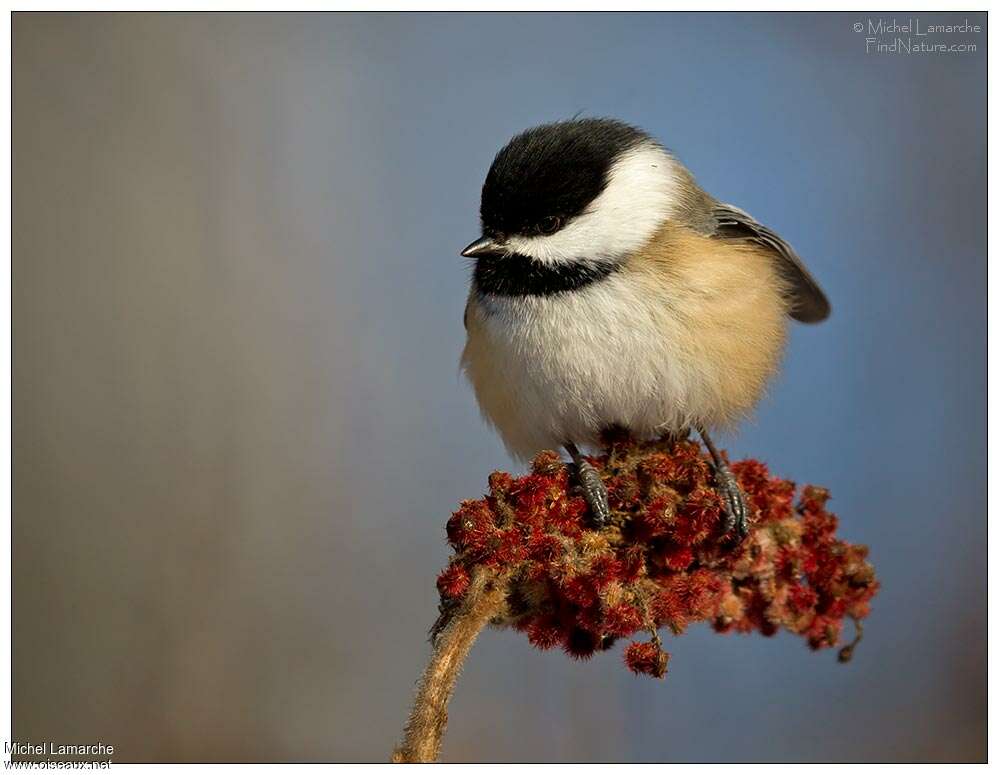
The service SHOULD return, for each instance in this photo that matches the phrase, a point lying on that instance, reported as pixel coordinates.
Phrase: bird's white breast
(551, 369)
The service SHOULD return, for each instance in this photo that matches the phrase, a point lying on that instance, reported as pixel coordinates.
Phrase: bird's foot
(594, 493)
(734, 508)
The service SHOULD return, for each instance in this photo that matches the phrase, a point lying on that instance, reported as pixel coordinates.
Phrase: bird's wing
(808, 302)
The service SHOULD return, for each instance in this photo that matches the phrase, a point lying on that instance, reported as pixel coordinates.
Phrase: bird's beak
(482, 247)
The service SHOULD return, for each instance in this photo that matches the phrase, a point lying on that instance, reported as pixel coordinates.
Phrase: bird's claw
(735, 509)
(595, 493)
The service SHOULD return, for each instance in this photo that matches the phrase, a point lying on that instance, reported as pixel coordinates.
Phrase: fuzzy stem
(425, 728)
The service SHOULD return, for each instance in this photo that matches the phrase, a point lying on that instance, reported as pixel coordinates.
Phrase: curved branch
(425, 728)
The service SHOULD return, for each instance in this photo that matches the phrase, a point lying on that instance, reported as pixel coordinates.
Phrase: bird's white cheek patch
(640, 195)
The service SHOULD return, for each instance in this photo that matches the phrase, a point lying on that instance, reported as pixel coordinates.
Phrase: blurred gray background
(239, 425)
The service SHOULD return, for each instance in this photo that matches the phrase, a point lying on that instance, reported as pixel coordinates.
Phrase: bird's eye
(550, 225)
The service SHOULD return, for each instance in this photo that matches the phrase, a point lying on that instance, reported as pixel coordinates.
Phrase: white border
(521, 5)
(921, 6)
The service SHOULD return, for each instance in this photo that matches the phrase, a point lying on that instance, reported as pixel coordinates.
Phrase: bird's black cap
(547, 175)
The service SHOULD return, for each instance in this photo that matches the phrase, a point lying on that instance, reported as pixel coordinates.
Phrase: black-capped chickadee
(609, 290)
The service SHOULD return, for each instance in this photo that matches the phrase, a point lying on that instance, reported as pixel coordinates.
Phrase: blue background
(239, 424)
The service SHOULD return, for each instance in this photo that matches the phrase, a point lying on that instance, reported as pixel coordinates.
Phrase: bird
(608, 290)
